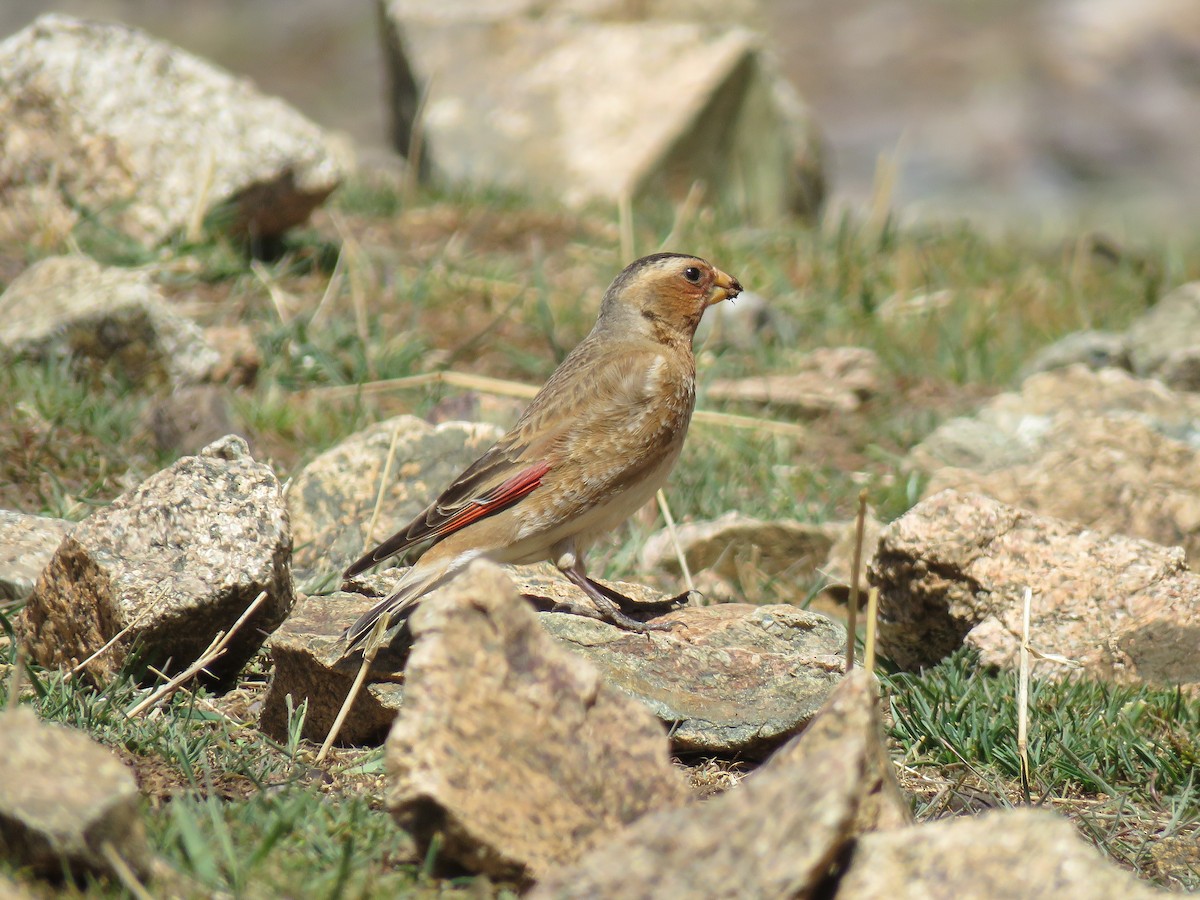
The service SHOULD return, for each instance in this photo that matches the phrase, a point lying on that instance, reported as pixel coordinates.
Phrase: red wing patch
(501, 496)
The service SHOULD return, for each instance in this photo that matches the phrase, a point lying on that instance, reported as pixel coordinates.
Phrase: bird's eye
(692, 274)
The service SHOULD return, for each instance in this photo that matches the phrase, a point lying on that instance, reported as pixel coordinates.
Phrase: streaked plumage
(593, 446)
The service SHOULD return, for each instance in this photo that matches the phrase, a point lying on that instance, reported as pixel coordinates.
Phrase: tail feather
(416, 583)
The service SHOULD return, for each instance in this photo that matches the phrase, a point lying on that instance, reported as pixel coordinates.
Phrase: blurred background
(1053, 114)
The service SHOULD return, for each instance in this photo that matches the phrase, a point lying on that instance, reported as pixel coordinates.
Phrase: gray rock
(1170, 330)
(305, 652)
(955, 568)
(333, 498)
(27, 544)
(517, 753)
(63, 798)
(734, 680)
(776, 834)
(1018, 853)
(71, 307)
(175, 560)
(1094, 349)
(186, 421)
(830, 379)
(523, 95)
(146, 138)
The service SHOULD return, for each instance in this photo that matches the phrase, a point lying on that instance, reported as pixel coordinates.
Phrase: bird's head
(665, 295)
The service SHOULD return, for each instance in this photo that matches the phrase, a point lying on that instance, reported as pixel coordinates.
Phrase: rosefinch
(593, 446)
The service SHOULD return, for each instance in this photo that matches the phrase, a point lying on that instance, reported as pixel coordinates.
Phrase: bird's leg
(572, 567)
(629, 603)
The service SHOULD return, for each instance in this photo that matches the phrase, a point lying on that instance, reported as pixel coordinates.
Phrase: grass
(381, 286)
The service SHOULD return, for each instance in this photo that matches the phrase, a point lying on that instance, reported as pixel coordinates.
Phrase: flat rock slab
(516, 752)
(305, 651)
(101, 317)
(171, 562)
(738, 679)
(63, 797)
(955, 568)
(1018, 853)
(776, 834)
(102, 120)
(333, 499)
(828, 380)
(27, 544)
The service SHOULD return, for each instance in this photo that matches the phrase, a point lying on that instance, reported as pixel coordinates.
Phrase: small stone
(516, 752)
(64, 799)
(831, 379)
(184, 421)
(27, 544)
(1094, 349)
(1171, 326)
(305, 652)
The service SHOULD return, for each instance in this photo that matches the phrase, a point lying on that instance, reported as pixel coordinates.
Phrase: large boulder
(554, 100)
(104, 121)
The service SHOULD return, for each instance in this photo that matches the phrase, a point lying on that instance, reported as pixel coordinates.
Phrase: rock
(27, 544)
(332, 500)
(71, 307)
(1026, 853)
(517, 753)
(175, 560)
(736, 680)
(955, 568)
(104, 122)
(776, 834)
(1104, 449)
(188, 420)
(830, 379)
(63, 798)
(1094, 349)
(305, 652)
(1165, 340)
(741, 550)
(544, 80)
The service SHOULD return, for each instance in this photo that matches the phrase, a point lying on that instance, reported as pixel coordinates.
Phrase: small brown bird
(593, 446)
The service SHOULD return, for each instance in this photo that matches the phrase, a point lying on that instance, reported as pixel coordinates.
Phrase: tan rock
(1031, 854)
(955, 568)
(830, 379)
(146, 139)
(776, 834)
(63, 798)
(333, 499)
(516, 752)
(527, 96)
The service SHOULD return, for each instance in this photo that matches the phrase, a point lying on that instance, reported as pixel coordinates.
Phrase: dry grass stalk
(625, 224)
(872, 623)
(18, 676)
(111, 642)
(684, 213)
(383, 483)
(374, 642)
(661, 496)
(1023, 697)
(280, 299)
(194, 229)
(123, 872)
(214, 651)
(860, 523)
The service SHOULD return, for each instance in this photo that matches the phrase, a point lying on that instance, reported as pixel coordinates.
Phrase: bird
(593, 446)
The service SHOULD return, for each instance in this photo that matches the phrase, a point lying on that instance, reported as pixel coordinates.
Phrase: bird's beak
(724, 287)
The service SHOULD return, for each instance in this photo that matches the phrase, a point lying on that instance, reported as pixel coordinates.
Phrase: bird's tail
(416, 583)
